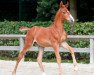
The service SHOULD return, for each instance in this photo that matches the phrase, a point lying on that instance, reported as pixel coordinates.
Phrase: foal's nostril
(72, 20)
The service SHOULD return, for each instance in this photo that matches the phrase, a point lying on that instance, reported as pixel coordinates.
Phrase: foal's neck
(58, 21)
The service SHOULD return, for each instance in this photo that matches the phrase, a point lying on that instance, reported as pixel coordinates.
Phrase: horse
(53, 36)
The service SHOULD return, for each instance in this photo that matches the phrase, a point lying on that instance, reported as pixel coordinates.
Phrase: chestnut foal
(53, 36)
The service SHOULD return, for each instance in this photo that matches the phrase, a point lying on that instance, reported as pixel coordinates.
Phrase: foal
(53, 36)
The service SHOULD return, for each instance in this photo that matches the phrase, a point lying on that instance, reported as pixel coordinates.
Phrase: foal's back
(41, 35)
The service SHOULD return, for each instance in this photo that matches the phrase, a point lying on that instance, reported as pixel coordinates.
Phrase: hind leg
(20, 56)
(39, 59)
(27, 45)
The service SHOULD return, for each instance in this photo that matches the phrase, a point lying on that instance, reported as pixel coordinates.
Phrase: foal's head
(65, 13)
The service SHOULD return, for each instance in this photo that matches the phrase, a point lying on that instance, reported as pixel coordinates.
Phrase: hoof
(75, 68)
(60, 74)
(43, 73)
(13, 73)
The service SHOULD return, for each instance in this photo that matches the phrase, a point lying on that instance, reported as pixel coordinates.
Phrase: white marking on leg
(76, 68)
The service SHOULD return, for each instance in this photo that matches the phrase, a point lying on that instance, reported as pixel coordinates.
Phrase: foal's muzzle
(71, 20)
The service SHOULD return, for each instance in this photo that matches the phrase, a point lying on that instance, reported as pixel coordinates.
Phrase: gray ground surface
(32, 68)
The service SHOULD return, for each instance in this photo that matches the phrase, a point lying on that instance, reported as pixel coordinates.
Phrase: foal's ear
(67, 5)
(61, 4)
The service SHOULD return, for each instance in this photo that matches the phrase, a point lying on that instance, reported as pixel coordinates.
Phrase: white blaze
(71, 17)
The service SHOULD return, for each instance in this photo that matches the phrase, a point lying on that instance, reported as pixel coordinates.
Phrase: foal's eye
(64, 12)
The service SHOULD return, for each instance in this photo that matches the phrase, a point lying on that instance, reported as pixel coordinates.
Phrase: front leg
(39, 59)
(58, 58)
(66, 46)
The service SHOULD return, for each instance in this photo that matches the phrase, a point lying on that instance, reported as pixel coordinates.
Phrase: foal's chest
(64, 37)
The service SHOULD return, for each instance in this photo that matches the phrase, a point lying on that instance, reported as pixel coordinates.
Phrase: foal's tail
(24, 29)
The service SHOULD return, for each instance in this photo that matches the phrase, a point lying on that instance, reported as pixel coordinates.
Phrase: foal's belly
(44, 43)
(42, 38)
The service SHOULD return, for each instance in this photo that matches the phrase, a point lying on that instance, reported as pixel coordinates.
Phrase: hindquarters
(30, 35)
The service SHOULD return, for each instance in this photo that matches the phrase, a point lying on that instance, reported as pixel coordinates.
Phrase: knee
(71, 50)
(58, 59)
(39, 60)
(58, 56)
